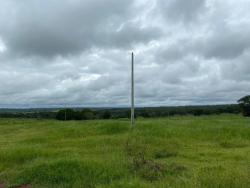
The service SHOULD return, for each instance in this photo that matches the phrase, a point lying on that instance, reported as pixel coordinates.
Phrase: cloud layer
(77, 52)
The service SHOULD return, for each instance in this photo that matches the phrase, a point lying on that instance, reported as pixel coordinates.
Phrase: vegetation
(116, 113)
(179, 151)
(245, 105)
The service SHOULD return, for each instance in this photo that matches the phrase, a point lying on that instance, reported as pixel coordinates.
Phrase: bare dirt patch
(2, 185)
(22, 186)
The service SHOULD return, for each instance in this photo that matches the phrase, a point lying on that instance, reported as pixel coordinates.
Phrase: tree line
(117, 113)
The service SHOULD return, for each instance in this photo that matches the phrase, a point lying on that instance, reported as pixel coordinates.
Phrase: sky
(78, 52)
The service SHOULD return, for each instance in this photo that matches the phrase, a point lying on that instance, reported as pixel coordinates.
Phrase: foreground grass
(208, 151)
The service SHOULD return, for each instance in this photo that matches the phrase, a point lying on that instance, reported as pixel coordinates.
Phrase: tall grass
(207, 151)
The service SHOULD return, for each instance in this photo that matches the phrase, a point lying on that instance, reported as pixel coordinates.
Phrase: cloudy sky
(77, 52)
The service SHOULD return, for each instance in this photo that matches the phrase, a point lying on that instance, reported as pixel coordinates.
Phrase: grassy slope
(208, 151)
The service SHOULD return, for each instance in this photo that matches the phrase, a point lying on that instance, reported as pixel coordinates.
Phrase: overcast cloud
(77, 52)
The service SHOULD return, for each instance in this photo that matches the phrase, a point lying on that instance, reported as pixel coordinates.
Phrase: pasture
(180, 151)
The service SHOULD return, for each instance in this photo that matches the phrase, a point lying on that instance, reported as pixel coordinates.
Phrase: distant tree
(78, 115)
(106, 115)
(145, 114)
(87, 114)
(244, 104)
(61, 115)
(65, 114)
(198, 112)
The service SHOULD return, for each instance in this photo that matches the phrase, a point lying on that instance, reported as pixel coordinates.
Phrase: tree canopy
(244, 103)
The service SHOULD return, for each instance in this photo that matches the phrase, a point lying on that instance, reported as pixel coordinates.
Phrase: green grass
(207, 151)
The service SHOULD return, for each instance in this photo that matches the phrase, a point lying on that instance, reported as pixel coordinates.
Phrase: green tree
(106, 115)
(78, 115)
(244, 103)
(65, 114)
(87, 114)
(198, 112)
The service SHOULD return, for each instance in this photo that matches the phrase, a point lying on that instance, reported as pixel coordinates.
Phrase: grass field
(207, 151)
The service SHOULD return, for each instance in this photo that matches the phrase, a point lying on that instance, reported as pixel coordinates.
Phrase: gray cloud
(78, 52)
(51, 28)
(179, 10)
(227, 44)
